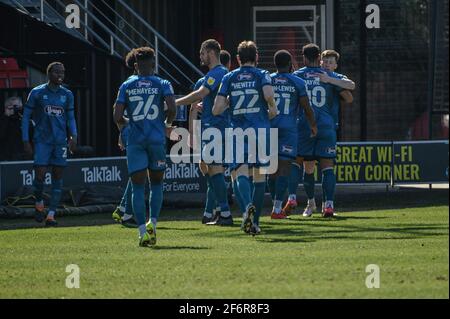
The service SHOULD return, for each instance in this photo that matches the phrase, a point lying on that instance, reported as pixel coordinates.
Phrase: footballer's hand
(171, 135)
(273, 112)
(199, 107)
(120, 143)
(324, 77)
(190, 140)
(27, 148)
(314, 131)
(72, 145)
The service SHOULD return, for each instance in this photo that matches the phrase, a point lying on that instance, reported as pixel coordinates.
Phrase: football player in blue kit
(329, 59)
(248, 94)
(291, 98)
(51, 106)
(213, 170)
(329, 62)
(124, 212)
(143, 97)
(322, 147)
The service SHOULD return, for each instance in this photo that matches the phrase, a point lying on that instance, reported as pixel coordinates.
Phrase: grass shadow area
(294, 232)
(345, 202)
(178, 248)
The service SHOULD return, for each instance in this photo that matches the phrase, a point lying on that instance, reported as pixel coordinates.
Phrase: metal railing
(99, 28)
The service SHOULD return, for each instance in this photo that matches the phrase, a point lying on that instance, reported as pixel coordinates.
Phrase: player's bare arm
(309, 114)
(118, 114)
(220, 105)
(269, 97)
(344, 83)
(171, 109)
(194, 96)
(346, 96)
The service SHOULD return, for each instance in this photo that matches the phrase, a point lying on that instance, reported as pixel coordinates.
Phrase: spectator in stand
(10, 131)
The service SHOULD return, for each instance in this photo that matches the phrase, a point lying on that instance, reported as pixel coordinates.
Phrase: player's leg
(281, 185)
(259, 183)
(252, 181)
(210, 196)
(58, 162)
(155, 202)
(217, 178)
(127, 219)
(306, 150)
(238, 196)
(137, 161)
(308, 184)
(38, 189)
(57, 181)
(239, 174)
(295, 178)
(123, 210)
(326, 151)
(138, 179)
(271, 183)
(328, 185)
(42, 154)
(288, 151)
(157, 166)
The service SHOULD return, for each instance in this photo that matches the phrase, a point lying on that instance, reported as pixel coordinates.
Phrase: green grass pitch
(296, 258)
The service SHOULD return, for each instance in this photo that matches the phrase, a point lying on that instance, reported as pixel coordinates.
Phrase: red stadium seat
(18, 79)
(4, 82)
(8, 64)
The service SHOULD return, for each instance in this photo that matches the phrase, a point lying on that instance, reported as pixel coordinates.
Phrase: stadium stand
(11, 76)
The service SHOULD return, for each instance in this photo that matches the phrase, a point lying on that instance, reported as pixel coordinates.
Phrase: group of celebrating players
(302, 106)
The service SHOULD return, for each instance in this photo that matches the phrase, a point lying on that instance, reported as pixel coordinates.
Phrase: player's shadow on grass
(349, 232)
(296, 219)
(178, 248)
(398, 199)
(64, 221)
(176, 228)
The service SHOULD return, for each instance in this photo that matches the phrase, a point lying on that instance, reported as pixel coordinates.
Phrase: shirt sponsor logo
(245, 77)
(54, 110)
(161, 163)
(280, 81)
(144, 84)
(287, 149)
(331, 150)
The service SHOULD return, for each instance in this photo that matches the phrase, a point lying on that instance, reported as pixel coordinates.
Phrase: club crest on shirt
(211, 81)
(63, 98)
(245, 77)
(53, 110)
